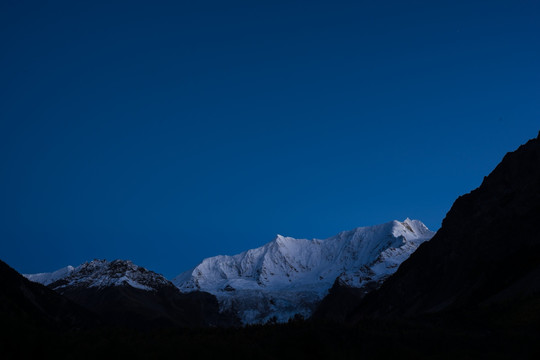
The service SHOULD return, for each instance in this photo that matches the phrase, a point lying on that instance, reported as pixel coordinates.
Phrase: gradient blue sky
(166, 132)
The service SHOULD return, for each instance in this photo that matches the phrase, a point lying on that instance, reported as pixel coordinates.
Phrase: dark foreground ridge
(485, 259)
(28, 305)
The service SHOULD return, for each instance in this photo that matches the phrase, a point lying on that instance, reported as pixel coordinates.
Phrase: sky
(166, 132)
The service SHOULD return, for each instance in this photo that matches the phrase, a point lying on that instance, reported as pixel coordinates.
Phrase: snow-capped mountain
(289, 276)
(285, 277)
(49, 278)
(102, 273)
(122, 293)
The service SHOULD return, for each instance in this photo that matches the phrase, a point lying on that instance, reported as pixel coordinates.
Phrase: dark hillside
(484, 259)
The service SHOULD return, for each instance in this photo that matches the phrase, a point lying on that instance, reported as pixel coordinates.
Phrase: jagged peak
(104, 262)
(103, 273)
(413, 226)
(285, 240)
(280, 239)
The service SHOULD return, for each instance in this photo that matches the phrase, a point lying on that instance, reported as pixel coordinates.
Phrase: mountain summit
(289, 276)
(102, 273)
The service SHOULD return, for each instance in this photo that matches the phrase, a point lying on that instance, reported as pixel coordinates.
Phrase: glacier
(289, 276)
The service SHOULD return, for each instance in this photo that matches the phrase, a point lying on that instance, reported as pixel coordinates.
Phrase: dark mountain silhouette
(164, 307)
(485, 259)
(340, 301)
(25, 304)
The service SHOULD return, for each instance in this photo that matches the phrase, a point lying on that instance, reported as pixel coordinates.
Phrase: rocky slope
(100, 274)
(126, 294)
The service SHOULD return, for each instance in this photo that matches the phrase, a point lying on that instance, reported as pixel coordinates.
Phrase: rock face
(290, 276)
(100, 274)
(485, 256)
(125, 294)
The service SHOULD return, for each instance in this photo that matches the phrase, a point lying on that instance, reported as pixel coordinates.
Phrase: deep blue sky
(166, 133)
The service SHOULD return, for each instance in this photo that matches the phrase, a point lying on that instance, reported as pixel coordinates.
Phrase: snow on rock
(288, 276)
(102, 273)
(49, 278)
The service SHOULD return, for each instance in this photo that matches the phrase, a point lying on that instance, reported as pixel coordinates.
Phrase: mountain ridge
(281, 279)
(125, 294)
(267, 281)
(102, 273)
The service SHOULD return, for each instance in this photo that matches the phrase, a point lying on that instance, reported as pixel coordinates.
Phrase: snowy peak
(359, 257)
(284, 277)
(102, 273)
(414, 226)
(49, 278)
(284, 260)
